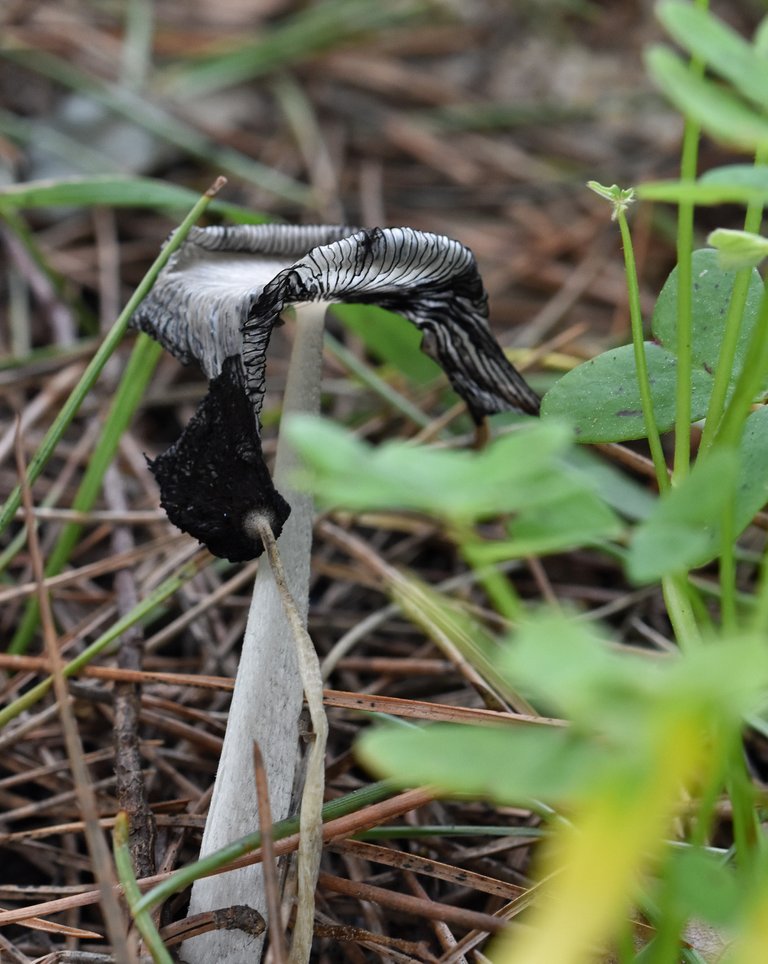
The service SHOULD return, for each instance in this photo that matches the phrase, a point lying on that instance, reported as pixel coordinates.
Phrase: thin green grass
(143, 610)
(99, 360)
(138, 372)
(185, 876)
(141, 917)
(114, 191)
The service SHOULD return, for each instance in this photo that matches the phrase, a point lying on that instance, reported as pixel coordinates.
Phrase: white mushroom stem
(311, 817)
(267, 699)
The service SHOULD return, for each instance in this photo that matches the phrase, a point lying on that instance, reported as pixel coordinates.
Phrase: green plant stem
(746, 824)
(159, 595)
(636, 319)
(728, 569)
(748, 383)
(725, 359)
(495, 583)
(141, 918)
(625, 943)
(185, 876)
(99, 360)
(138, 372)
(706, 810)
(688, 165)
(669, 924)
(724, 368)
(759, 621)
(680, 610)
(130, 391)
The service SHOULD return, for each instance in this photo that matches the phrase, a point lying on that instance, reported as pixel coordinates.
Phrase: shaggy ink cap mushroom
(217, 302)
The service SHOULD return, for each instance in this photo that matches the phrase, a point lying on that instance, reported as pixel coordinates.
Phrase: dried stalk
(267, 699)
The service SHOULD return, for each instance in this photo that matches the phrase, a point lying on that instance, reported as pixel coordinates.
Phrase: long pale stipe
(267, 699)
(310, 849)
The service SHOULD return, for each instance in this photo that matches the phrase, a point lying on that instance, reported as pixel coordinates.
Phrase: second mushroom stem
(266, 703)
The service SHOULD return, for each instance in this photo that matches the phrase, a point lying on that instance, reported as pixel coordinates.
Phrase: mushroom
(214, 478)
(217, 302)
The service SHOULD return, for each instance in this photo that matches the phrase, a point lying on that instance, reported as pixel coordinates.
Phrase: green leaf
(719, 47)
(738, 249)
(760, 39)
(752, 486)
(601, 398)
(730, 184)
(554, 658)
(506, 765)
(699, 884)
(684, 530)
(615, 487)
(513, 473)
(577, 518)
(712, 290)
(745, 175)
(727, 678)
(619, 197)
(720, 113)
(391, 339)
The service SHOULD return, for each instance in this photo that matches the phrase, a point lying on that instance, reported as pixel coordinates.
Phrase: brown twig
(341, 827)
(41, 664)
(433, 712)
(90, 571)
(406, 904)
(131, 787)
(346, 933)
(103, 867)
(239, 917)
(457, 876)
(271, 885)
(442, 931)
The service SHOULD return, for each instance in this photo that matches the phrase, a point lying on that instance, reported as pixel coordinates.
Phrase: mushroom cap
(210, 285)
(431, 280)
(217, 301)
(214, 476)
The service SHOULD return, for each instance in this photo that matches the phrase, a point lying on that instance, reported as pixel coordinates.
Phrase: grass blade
(114, 191)
(141, 918)
(110, 343)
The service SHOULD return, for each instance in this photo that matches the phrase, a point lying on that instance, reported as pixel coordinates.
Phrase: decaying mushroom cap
(429, 279)
(217, 302)
(214, 476)
(207, 291)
